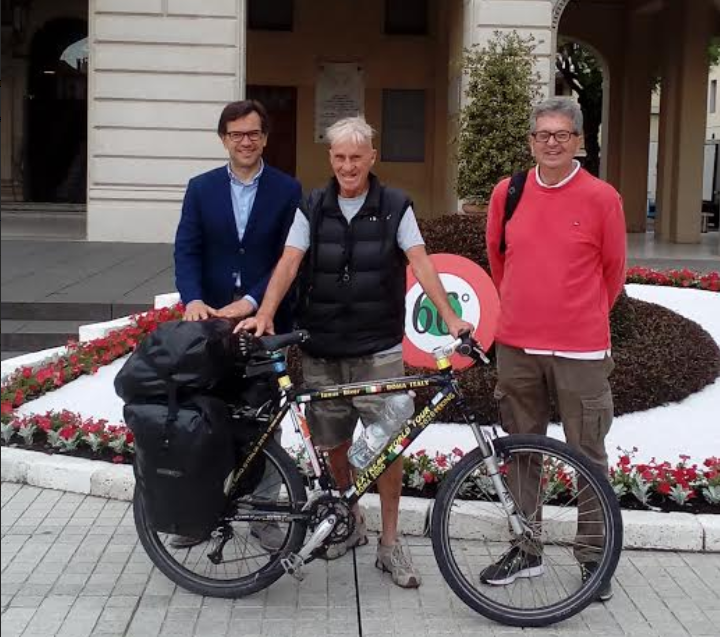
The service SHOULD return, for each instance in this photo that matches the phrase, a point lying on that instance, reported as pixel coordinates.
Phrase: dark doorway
(281, 103)
(55, 158)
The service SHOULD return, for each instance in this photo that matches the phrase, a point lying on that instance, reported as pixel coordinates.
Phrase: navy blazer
(208, 253)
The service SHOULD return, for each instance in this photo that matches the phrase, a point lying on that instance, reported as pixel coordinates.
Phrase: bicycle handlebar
(465, 345)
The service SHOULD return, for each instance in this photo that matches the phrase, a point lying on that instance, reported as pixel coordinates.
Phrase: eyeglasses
(238, 136)
(561, 136)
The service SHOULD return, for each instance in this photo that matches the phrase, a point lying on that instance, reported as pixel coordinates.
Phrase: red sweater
(564, 265)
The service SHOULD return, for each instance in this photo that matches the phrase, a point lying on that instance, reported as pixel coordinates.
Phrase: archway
(55, 154)
(583, 73)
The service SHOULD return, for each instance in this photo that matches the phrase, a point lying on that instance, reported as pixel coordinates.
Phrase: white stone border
(643, 529)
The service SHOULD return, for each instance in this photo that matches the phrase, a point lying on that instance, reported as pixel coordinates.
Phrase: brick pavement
(72, 566)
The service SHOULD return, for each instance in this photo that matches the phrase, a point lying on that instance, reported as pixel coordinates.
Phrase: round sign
(471, 294)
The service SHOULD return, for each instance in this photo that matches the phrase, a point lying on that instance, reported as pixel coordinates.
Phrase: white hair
(355, 129)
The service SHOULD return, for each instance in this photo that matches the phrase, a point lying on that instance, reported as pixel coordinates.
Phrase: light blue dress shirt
(243, 197)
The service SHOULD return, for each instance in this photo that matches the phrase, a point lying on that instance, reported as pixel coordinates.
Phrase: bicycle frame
(449, 392)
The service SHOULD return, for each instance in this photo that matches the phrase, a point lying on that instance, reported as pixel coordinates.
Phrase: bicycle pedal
(293, 565)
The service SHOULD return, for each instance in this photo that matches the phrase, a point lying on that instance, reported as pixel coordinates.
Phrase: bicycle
(476, 521)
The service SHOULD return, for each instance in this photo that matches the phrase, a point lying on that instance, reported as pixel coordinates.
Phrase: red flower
(27, 372)
(43, 422)
(441, 461)
(663, 487)
(129, 437)
(7, 407)
(458, 452)
(19, 398)
(421, 452)
(68, 432)
(428, 477)
(118, 459)
(44, 374)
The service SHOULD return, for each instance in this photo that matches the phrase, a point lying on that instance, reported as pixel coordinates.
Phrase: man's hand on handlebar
(457, 326)
(258, 325)
(468, 346)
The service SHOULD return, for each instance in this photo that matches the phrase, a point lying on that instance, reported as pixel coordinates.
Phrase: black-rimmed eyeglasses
(561, 136)
(238, 136)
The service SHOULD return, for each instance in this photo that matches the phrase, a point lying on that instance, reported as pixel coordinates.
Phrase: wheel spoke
(534, 580)
(245, 565)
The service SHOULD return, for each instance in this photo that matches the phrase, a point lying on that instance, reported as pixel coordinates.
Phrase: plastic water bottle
(397, 409)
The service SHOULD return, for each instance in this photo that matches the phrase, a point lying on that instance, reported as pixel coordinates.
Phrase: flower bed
(674, 278)
(28, 383)
(649, 486)
(653, 486)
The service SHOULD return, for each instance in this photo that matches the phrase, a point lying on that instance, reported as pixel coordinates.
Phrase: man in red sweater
(559, 274)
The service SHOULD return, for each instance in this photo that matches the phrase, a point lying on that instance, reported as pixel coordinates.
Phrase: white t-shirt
(408, 234)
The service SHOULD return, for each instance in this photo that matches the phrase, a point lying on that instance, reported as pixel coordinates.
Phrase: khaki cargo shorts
(332, 422)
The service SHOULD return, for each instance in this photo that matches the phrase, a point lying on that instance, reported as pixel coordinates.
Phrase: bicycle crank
(293, 564)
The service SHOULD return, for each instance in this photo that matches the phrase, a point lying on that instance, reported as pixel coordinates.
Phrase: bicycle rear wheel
(244, 565)
(572, 517)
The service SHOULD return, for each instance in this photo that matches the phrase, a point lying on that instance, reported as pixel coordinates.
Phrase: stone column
(160, 73)
(634, 140)
(683, 112)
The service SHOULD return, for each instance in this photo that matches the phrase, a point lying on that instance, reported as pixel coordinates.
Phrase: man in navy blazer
(231, 234)
(234, 222)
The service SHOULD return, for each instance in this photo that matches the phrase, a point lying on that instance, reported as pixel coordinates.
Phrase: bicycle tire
(252, 582)
(482, 603)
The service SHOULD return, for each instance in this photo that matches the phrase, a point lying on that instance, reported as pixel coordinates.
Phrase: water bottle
(396, 410)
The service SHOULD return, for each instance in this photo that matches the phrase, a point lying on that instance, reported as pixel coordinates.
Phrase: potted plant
(493, 125)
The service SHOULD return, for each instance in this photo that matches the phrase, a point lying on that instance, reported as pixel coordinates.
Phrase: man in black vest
(358, 236)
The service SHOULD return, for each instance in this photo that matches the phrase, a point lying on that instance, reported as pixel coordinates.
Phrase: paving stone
(72, 567)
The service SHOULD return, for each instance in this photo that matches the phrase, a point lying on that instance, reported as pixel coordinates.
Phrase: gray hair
(353, 128)
(558, 106)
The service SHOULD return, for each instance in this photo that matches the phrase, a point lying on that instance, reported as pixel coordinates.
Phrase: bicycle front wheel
(240, 557)
(572, 532)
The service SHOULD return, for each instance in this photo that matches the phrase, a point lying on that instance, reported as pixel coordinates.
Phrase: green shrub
(493, 127)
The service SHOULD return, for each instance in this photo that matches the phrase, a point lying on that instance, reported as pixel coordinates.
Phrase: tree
(493, 126)
(582, 73)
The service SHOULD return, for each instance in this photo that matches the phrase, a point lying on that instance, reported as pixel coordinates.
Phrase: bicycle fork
(519, 527)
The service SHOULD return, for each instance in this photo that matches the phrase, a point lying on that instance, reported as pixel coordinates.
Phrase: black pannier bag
(193, 355)
(184, 456)
(185, 443)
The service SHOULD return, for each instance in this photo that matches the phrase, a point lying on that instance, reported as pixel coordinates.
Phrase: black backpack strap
(515, 191)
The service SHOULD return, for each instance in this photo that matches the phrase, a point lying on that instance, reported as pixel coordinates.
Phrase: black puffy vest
(353, 300)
